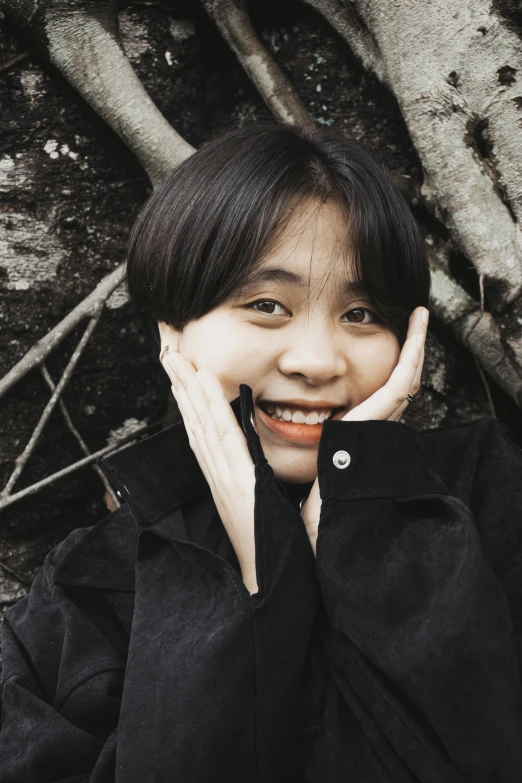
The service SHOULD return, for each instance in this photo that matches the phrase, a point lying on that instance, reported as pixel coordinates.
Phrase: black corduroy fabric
(395, 655)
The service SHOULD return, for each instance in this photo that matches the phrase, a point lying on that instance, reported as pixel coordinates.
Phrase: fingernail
(424, 316)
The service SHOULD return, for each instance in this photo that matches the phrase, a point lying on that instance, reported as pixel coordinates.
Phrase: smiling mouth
(291, 424)
(293, 414)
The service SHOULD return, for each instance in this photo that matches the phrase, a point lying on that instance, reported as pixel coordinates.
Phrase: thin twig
(76, 434)
(10, 499)
(21, 461)
(477, 362)
(12, 572)
(43, 347)
(486, 387)
(16, 59)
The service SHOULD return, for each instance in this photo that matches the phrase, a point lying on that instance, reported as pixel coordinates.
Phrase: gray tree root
(475, 329)
(81, 40)
(234, 24)
(446, 65)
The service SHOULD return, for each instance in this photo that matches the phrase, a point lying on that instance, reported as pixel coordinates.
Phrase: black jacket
(139, 656)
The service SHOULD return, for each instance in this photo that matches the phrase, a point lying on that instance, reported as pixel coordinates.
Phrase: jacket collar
(154, 477)
(159, 473)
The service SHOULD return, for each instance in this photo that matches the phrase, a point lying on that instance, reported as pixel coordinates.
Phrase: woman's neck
(295, 492)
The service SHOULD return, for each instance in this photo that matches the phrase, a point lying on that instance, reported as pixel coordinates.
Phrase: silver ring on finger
(410, 397)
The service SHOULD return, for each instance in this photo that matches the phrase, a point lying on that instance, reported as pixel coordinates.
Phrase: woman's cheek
(229, 383)
(376, 365)
(200, 356)
(223, 367)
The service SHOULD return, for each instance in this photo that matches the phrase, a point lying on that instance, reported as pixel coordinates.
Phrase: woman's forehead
(314, 237)
(311, 255)
(313, 224)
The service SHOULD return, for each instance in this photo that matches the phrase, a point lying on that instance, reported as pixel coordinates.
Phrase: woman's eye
(267, 307)
(358, 316)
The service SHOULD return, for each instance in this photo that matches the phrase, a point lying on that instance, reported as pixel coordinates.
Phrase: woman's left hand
(220, 447)
(387, 403)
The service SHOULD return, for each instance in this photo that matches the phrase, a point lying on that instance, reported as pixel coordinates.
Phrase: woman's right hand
(220, 447)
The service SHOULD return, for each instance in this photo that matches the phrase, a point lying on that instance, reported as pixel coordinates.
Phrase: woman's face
(300, 337)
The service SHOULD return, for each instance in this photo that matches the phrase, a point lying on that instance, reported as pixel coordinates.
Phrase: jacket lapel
(154, 477)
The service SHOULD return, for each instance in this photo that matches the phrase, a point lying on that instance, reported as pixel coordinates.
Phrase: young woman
(297, 585)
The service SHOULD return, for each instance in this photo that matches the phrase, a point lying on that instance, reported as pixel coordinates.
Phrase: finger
(405, 379)
(413, 390)
(194, 409)
(200, 450)
(418, 375)
(228, 430)
(386, 400)
(219, 451)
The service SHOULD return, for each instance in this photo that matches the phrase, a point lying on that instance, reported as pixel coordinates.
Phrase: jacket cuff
(372, 459)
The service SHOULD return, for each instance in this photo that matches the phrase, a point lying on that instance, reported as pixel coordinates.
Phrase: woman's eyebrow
(284, 276)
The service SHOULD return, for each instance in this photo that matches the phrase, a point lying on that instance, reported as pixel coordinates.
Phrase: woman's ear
(168, 336)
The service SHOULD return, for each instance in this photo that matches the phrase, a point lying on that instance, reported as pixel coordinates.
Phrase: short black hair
(204, 229)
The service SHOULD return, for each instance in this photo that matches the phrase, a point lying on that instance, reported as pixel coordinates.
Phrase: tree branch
(474, 329)
(13, 61)
(43, 347)
(349, 26)
(14, 574)
(78, 437)
(81, 40)
(21, 461)
(236, 28)
(23, 493)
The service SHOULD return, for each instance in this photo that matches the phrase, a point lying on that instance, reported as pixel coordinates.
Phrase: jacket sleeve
(59, 715)
(425, 634)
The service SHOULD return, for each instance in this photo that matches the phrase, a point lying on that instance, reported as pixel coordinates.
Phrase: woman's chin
(292, 474)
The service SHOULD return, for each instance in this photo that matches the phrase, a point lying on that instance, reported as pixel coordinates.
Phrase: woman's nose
(313, 354)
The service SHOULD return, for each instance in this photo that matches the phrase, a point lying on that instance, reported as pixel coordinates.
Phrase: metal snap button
(341, 459)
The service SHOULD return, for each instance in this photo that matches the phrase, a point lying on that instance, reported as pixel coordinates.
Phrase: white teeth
(297, 417)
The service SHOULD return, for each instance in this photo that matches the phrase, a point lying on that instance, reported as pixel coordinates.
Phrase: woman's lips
(293, 433)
